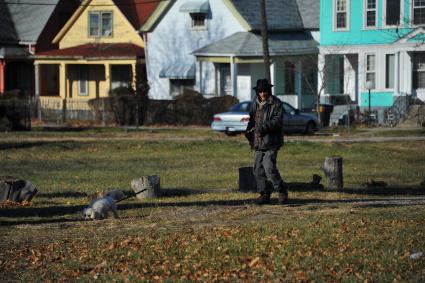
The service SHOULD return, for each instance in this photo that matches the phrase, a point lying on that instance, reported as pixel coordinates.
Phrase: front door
(225, 80)
(418, 75)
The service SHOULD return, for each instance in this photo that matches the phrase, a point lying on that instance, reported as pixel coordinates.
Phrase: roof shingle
(250, 44)
(281, 14)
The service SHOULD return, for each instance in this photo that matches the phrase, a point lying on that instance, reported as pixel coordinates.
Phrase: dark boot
(264, 198)
(282, 197)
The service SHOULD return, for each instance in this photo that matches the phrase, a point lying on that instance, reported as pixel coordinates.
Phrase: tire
(310, 128)
(231, 134)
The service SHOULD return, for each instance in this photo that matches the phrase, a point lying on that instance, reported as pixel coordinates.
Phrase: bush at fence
(121, 107)
(15, 111)
(190, 108)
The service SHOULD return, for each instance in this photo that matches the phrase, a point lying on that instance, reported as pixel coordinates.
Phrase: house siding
(357, 34)
(359, 41)
(165, 48)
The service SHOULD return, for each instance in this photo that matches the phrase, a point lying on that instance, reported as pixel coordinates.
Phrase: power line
(89, 5)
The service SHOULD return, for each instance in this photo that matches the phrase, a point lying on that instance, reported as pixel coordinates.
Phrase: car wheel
(310, 128)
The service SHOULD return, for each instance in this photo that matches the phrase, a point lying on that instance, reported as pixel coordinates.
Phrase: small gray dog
(99, 208)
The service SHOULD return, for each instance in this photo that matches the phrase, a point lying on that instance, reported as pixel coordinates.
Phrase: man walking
(264, 131)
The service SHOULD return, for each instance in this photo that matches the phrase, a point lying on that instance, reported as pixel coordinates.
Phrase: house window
(334, 74)
(341, 14)
(121, 76)
(178, 87)
(289, 78)
(392, 12)
(419, 70)
(198, 20)
(370, 68)
(309, 77)
(100, 24)
(389, 70)
(370, 6)
(83, 76)
(418, 12)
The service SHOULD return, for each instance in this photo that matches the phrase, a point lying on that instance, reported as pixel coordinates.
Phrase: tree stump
(247, 181)
(12, 189)
(150, 183)
(333, 172)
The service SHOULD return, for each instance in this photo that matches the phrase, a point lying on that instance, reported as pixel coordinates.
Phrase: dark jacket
(271, 127)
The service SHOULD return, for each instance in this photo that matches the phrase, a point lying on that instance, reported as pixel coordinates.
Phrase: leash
(131, 196)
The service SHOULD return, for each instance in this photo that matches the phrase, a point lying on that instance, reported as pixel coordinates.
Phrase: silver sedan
(236, 120)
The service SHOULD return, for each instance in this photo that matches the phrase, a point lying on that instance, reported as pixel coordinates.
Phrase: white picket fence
(59, 109)
(58, 103)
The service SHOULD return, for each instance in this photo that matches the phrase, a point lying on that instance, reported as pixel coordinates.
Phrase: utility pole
(265, 39)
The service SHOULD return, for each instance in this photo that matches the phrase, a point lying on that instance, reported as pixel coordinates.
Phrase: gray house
(235, 62)
(27, 27)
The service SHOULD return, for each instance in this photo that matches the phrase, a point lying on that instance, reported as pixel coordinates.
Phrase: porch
(228, 68)
(68, 78)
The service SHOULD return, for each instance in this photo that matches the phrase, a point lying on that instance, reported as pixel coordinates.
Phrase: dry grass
(203, 229)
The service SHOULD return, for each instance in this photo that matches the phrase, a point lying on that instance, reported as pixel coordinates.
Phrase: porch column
(37, 90)
(2, 68)
(201, 82)
(234, 76)
(134, 77)
(362, 79)
(298, 82)
(397, 73)
(62, 81)
(107, 78)
(273, 76)
(406, 61)
(321, 73)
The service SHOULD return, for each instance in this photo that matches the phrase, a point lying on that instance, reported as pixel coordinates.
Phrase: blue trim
(377, 99)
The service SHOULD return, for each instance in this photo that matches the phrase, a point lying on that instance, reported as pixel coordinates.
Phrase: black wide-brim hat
(263, 84)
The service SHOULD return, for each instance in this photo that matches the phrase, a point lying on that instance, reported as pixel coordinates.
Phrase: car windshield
(241, 107)
(287, 108)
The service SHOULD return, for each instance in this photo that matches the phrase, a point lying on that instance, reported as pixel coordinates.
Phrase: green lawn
(203, 229)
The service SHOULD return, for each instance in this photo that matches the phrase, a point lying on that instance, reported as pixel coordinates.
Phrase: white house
(173, 32)
(215, 47)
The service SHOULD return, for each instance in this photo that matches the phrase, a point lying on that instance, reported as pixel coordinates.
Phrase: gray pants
(265, 169)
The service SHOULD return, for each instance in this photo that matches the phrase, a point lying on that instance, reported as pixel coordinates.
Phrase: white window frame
(83, 78)
(384, 14)
(367, 71)
(182, 87)
(365, 10)
(100, 24)
(412, 11)
(192, 22)
(386, 70)
(418, 70)
(347, 14)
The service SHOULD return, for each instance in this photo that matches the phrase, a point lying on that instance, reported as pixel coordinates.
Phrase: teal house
(376, 45)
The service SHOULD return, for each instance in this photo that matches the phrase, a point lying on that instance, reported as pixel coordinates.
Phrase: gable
(76, 31)
(137, 11)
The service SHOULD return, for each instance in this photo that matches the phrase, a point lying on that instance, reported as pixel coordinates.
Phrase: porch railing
(59, 109)
(58, 103)
(51, 103)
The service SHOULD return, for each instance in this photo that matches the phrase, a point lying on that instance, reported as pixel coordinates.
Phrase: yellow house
(99, 49)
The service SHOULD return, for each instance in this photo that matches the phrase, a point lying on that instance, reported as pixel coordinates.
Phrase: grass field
(203, 229)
